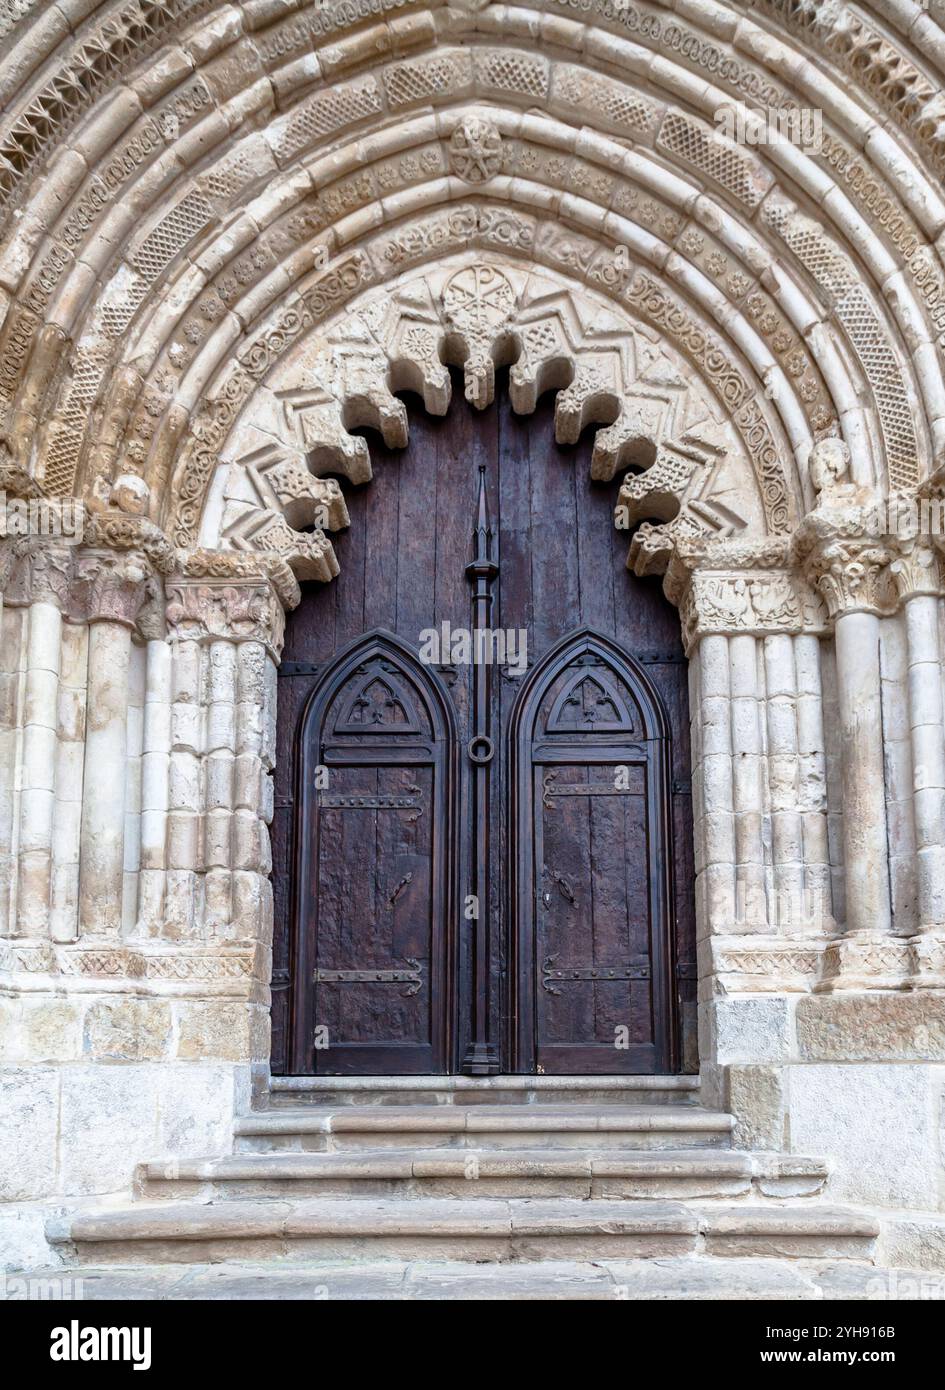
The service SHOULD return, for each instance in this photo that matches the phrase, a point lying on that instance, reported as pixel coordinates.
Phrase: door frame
(520, 905)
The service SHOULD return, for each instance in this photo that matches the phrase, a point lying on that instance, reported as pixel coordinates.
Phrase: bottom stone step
(457, 1230)
(688, 1279)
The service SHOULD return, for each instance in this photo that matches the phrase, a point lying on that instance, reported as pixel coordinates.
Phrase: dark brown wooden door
(408, 787)
(592, 895)
(374, 847)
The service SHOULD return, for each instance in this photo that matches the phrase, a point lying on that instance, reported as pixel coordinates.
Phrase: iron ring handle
(481, 750)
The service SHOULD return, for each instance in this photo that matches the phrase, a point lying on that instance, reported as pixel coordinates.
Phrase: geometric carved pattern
(665, 426)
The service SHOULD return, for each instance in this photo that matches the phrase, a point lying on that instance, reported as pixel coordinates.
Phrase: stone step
(479, 1090)
(333, 1129)
(455, 1230)
(480, 1173)
(687, 1278)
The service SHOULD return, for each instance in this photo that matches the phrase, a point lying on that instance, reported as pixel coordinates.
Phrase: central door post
(482, 1056)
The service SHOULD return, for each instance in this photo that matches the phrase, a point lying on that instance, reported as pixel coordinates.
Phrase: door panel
(364, 887)
(373, 848)
(591, 909)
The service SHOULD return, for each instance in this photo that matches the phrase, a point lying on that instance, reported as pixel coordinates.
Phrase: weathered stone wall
(135, 946)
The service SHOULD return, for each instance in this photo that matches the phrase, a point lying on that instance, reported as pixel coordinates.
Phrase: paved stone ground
(654, 1279)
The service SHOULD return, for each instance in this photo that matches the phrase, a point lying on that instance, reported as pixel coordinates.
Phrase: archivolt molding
(157, 264)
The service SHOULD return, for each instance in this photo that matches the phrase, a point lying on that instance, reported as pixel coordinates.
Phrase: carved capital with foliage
(238, 611)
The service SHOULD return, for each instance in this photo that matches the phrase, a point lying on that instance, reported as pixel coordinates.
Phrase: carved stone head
(130, 494)
(829, 467)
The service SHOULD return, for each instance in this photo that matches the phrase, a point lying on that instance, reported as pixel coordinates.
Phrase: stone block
(915, 1241)
(23, 1245)
(751, 1029)
(108, 1121)
(196, 1109)
(29, 1117)
(127, 1030)
(878, 1125)
(893, 1026)
(209, 1029)
(40, 1028)
(756, 1097)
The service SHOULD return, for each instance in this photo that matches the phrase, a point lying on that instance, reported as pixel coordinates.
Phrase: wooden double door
(482, 835)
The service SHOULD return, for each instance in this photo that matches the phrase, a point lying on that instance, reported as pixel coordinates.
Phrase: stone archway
(229, 240)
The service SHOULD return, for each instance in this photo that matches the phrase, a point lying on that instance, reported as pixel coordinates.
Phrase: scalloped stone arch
(693, 473)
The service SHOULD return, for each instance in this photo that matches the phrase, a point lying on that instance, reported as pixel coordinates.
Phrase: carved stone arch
(590, 762)
(692, 469)
(408, 754)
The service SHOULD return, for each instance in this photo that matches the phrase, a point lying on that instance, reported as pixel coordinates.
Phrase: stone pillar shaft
(787, 851)
(38, 771)
(748, 772)
(812, 770)
(155, 758)
(103, 801)
(865, 845)
(927, 728)
(73, 696)
(716, 836)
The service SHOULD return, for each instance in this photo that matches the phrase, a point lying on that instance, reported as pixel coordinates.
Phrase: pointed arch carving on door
(374, 865)
(590, 790)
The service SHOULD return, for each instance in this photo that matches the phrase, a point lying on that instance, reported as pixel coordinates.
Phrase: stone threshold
(687, 1279)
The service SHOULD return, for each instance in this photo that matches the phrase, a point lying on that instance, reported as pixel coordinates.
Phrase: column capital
(841, 543)
(236, 609)
(35, 570)
(916, 569)
(846, 562)
(733, 587)
(114, 587)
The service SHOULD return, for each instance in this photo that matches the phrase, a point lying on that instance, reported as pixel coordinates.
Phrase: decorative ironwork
(549, 789)
(481, 572)
(407, 878)
(552, 976)
(561, 883)
(368, 802)
(412, 977)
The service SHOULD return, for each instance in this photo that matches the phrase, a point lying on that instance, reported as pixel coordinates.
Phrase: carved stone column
(115, 594)
(226, 637)
(752, 628)
(840, 543)
(918, 577)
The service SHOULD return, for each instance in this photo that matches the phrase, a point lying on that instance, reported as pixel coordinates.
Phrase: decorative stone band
(754, 964)
(117, 574)
(87, 585)
(150, 971)
(749, 601)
